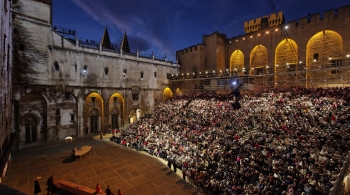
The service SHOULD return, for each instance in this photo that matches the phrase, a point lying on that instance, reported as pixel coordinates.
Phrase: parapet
(255, 25)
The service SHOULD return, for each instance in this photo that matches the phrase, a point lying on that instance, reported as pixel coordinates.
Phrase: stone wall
(64, 87)
(325, 33)
(6, 121)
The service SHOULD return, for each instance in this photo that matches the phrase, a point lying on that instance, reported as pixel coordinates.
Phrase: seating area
(75, 188)
(83, 150)
(285, 140)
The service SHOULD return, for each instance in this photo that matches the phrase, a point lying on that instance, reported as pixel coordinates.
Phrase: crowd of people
(280, 142)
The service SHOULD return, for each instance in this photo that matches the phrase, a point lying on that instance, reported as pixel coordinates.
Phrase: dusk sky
(165, 26)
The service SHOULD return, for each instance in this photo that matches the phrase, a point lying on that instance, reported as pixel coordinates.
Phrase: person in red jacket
(98, 188)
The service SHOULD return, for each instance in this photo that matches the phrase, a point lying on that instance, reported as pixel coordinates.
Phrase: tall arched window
(30, 124)
(94, 121)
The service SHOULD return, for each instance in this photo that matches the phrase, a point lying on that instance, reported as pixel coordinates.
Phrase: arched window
(124, 72)
(141, 75)
(94, 121)
(85, 69)
(30, 123)
(106, 71)
(56, 66)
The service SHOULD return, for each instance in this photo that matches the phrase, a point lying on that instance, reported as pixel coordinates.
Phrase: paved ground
(109, 163)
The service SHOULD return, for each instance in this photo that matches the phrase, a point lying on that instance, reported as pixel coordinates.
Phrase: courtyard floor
(108, 163)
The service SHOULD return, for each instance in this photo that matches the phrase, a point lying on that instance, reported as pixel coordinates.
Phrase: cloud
(139, 43)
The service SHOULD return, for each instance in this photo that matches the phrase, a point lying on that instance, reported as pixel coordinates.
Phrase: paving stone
(109, 163)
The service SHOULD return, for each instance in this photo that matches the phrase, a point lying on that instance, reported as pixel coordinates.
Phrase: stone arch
(286, 54)
(324, 44)
(323, 50)
(167, 93)
(132, 117)
(30, 122)
(93, 113)
(32, 127)
(258, 59)
(178, 92)
(237, 62)
(286, 60)
(116, 110)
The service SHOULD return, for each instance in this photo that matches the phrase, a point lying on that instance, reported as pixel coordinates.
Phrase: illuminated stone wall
(64, 75)
(237, 62)
(306, 34)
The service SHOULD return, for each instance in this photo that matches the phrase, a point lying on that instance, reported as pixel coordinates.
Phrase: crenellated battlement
(329, 15)
(266, 21)
(190, 49)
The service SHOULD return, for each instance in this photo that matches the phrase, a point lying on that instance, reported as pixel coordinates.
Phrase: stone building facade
(65, 86)
(6, 99)
(313, 51)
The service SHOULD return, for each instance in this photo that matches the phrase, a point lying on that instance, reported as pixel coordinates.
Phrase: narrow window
(85, 69)
(124, 72)
(155, 74)
(21, 47)
(141, 75)
(93, 99)
(58, 112)
(316, 56)
(72, 117)
(135, 96)
(56, 66)
(67, 95)
(106, 71)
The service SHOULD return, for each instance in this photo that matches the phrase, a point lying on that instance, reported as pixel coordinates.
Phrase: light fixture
(236, 40)
(267, 66)
(251, 36)
(267, 32)
(300, 62)
(347, 55)
(315, 60)
(276, 29)
(259, 35)
(252, 68)
(330, 58)
(276, 64)
(286, 27)
(243, 38)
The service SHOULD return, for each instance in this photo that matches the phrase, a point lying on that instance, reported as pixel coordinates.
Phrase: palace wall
(325, 36)
(64, 87)
(6, 122)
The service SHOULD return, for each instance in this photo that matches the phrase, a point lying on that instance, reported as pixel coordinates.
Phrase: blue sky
(165, 26)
